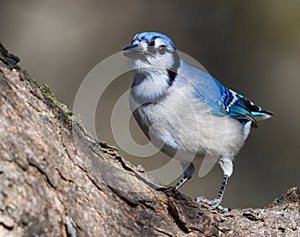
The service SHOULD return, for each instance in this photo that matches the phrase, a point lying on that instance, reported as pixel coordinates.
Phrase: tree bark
(56, 180)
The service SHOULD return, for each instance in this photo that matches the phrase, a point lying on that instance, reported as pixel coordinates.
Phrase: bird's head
(151, 50)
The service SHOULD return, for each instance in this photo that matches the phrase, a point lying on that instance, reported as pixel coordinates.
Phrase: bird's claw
(214, 204)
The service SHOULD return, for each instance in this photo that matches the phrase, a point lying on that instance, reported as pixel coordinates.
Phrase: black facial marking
(155, 37)
(152, 43)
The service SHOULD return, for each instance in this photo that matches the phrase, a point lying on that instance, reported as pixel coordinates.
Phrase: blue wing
(223, 101)
(240, 108)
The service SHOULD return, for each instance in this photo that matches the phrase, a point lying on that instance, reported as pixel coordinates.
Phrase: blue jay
(186, 109)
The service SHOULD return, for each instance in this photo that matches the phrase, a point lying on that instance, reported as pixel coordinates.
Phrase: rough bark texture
(56, 180)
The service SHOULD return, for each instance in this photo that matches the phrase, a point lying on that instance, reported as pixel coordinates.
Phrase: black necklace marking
(172, 72)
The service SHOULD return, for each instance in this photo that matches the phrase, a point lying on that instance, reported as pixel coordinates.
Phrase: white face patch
(155, 59)
(162, 42)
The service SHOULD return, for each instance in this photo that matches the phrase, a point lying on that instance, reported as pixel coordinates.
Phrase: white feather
(183, 120)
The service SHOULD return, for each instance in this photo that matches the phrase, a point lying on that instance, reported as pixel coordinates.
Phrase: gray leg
(215, 203)
(188, 170)
(222, 188)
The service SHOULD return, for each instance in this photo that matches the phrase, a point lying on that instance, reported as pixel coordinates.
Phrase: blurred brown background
(250, 46)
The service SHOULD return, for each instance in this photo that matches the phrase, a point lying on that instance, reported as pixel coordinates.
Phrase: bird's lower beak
(132, 51)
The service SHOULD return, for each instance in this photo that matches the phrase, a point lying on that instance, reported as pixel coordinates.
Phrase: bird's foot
(215, 203)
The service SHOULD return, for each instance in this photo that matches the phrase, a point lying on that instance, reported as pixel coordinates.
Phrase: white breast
(184, 123)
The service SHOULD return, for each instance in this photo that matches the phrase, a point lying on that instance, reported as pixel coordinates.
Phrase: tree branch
(56, 180)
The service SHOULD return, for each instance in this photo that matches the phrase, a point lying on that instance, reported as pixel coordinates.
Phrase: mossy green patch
(50, 95)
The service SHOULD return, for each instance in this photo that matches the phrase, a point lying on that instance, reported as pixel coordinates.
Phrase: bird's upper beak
(132, 51)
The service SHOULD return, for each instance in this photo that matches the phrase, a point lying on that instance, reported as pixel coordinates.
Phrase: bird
(185, 111)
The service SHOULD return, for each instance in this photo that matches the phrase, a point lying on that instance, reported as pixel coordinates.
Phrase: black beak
(130, 47)
(132, 51)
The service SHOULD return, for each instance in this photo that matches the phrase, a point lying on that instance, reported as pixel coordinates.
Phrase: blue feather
(150, 36)
(223, 101)
(241, 108)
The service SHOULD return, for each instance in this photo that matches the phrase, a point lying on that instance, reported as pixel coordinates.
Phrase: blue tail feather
(242, 109)
(262, 115)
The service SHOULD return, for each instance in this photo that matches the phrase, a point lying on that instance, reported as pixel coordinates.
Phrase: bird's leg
(222, 188)
(215, 203)
(188, 170)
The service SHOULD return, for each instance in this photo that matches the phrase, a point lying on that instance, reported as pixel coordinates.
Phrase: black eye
(162, 49)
